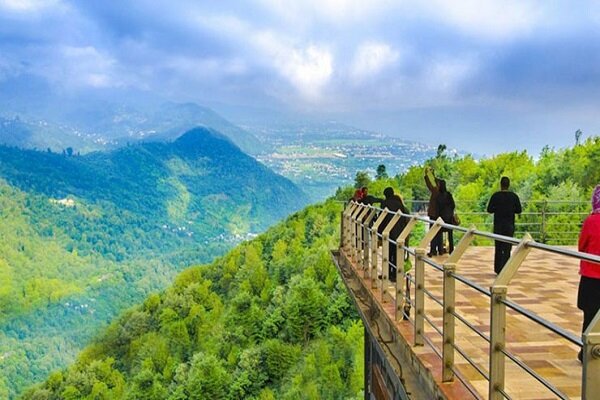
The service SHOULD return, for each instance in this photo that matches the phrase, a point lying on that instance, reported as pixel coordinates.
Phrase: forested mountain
(83, 237)
(270, 320)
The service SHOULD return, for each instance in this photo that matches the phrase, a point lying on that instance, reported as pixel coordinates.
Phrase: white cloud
(490, 19)
(443, 77)
(308, 68)
(371, 58)
(27, 6)
(201, 68)
(85, 66)
(333, 11)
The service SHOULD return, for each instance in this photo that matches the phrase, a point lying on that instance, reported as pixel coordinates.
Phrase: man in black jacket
(504, 205)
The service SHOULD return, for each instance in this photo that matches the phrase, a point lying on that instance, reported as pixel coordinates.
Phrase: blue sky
(484, 76)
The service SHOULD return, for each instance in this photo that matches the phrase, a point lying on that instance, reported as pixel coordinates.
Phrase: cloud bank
(449, 62)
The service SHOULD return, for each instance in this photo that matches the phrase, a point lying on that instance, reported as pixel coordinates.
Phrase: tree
(381, 172)
(362, 179)
(440, 150)
(207, 378)
(70, 151)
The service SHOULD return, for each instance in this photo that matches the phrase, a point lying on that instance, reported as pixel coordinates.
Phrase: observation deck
(450, 328)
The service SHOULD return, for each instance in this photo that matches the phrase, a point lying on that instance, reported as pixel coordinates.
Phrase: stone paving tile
(546, 284)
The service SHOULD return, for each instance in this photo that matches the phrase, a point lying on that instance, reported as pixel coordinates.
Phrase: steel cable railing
(367, 220)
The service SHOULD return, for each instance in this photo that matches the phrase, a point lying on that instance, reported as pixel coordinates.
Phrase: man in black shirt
(504, 205)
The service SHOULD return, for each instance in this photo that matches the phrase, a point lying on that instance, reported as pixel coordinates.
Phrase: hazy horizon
(483, 77)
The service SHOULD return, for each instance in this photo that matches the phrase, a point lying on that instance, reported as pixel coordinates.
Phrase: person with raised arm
(436, 246)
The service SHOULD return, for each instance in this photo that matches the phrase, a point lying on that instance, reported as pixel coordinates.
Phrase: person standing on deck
(436, 246)
(588, 296)
(445, 207)
(504, 205)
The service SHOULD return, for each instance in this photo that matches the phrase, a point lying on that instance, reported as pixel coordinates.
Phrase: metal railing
(547, 221)
(361, 233)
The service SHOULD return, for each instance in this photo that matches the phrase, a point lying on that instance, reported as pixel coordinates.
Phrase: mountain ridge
(86, 236)
(98, 124)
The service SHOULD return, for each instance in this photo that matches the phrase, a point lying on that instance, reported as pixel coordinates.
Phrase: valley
(86, 236)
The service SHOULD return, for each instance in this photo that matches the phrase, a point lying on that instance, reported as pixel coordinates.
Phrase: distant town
(322, 158)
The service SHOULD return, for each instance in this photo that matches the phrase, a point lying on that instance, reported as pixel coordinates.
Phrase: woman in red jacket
(588, 297)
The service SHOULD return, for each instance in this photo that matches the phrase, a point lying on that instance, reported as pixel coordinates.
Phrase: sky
(482, 76)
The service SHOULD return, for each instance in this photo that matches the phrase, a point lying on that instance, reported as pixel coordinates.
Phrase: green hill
(270, 320)
(84, 237)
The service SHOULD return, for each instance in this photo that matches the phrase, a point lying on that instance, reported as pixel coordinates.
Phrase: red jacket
(589, 242)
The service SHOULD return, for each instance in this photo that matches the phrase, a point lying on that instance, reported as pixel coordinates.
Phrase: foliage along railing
(550, 222)
(360, 241)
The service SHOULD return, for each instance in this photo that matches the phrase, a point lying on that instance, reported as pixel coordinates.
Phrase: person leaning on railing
(588, 296)
(393, 202)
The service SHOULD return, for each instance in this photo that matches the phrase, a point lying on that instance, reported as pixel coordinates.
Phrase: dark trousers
(588, 299)
(437, 243)
(501, 255)
(502, 249)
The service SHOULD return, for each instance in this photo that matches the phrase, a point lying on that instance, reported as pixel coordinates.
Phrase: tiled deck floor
(545, 284)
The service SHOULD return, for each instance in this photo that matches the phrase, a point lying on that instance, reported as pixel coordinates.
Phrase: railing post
(420, 281)
(354, 244)
(590, 387)
(373, 258)
(449, 326)
(497, 342)
(543, 226)
(499, 290)
(350, 229)
(449, 323)
(346, 232)
(374, 248)
(360, 244)
(385, 263)
(385, 251)
(342, 217)
(419, 296)
(368, 238)
(359, 235)
(400, 273)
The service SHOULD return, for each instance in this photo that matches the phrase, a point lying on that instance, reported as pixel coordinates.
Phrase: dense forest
(271, 319)
(85, 237)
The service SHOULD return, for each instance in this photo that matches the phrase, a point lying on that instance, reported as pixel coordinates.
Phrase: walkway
(546, 284)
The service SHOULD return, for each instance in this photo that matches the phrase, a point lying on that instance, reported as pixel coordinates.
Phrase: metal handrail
(546, 324)
(535, 214)
(528, 244)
